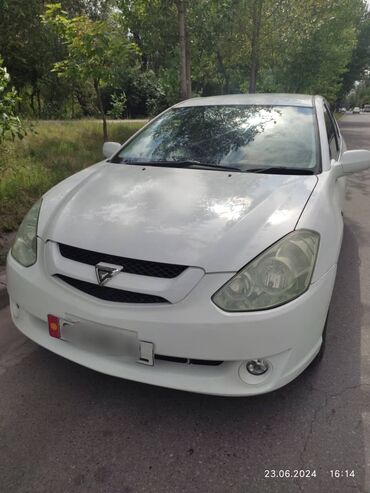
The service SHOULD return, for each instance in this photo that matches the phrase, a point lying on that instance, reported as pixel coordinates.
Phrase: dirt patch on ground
(6, 241)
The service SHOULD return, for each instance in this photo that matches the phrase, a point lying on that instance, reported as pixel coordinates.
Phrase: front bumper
(289, 336)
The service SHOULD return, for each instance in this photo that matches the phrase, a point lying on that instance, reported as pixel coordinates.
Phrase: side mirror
(353, 161)
(110, 148)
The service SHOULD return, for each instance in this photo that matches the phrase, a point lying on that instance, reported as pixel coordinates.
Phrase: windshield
(237, 136)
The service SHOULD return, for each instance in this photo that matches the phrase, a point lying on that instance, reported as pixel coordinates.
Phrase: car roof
(258, 99)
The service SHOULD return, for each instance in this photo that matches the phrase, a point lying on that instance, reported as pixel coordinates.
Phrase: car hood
(211, 219)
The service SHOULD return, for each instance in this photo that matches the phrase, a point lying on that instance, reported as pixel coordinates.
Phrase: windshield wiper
(186, 163)
(281, 170)
(194, 164)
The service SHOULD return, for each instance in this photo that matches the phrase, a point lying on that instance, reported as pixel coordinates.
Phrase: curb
(4, 297)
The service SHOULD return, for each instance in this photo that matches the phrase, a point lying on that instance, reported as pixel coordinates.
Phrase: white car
(200, 255)
(356, 109)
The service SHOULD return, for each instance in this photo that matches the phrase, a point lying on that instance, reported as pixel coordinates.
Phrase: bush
(10, 124)
(118, 106)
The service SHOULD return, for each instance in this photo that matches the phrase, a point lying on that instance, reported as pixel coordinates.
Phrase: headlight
(24, 249)
(276, 276)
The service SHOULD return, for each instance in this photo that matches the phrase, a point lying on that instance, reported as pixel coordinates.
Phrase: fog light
(257, 366)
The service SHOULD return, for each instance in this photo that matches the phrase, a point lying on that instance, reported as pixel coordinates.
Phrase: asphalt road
(64, 428)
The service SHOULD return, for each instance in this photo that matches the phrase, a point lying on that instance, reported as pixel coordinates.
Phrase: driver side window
(331, 134)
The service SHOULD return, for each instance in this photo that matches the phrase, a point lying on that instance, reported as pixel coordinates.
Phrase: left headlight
(24, 249)
(278, 275)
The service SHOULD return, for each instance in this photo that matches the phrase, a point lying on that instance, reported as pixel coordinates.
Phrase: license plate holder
(100, 338)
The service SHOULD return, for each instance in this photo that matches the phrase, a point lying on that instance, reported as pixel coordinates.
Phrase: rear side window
(331, 134)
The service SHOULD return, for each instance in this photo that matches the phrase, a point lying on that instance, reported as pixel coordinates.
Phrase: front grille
(132, 266)
(188, 361)
(110, 294)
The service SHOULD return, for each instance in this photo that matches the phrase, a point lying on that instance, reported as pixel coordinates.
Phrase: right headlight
(278, 275)
(24, 249)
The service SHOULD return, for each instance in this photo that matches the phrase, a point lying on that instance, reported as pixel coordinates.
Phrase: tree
(94, 50)
(161, 30)
(10, 124)
(309, 45)
(357, 68)
(219, 56)
(319, 46)
(26, 47)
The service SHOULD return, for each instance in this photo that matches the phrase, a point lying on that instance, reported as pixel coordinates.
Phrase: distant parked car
(342, 110)
(366, 108)
(356, 109)
(200, 255)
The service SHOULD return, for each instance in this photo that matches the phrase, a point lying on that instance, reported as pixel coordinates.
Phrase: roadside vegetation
(84, 58)
(47, 155)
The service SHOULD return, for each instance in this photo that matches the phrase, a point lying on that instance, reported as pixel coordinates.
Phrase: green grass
(28, 168)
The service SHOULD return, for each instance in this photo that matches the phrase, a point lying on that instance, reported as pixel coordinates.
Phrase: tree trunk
(144, 59)
(185, 79)
(225, 85)
(73, 103)
(255, 40)
(32, 101)
(38, 102)
(188, 63)
(82, 102)
(101, 109)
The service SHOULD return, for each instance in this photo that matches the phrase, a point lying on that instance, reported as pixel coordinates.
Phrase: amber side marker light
(54, 328)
